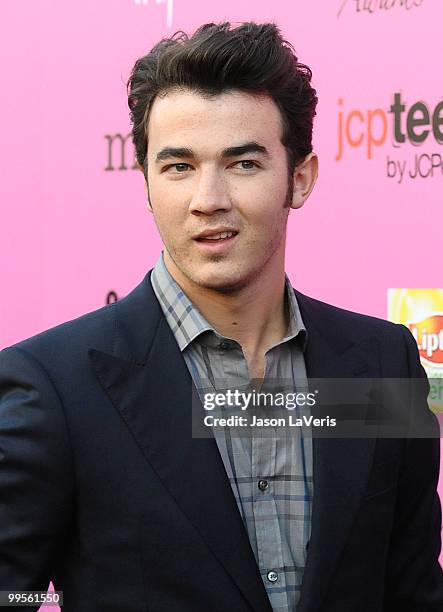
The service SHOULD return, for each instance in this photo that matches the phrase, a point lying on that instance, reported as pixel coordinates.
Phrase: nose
(211, 193)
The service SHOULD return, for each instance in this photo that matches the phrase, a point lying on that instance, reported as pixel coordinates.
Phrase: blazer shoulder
(94, 327)
(129, 320)
(360, 323)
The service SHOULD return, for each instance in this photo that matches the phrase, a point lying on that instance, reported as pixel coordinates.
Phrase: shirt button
(272, 576)
(224, 345)
(263, 485)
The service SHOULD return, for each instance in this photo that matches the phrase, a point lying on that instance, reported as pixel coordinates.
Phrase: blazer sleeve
(414, 580)
(35, 474)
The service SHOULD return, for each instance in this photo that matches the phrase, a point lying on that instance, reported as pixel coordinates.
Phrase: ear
(145, 182)
(304, 177)
(148, 201)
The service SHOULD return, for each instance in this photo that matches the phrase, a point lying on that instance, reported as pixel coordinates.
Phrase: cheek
(265, 211)
(266, 192)
(168, 207)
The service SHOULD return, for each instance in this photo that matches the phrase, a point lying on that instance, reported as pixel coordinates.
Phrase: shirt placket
(267, 523)
(232, 363)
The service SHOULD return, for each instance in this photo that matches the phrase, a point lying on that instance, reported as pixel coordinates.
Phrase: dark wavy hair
(252, 57)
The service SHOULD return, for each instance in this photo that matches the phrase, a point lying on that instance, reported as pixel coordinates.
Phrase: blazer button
(272, 576)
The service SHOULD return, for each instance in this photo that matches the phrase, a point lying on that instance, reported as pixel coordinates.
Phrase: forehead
(186, 118)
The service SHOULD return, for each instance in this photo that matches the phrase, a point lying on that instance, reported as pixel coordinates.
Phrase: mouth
(216, 243)
(221, 237)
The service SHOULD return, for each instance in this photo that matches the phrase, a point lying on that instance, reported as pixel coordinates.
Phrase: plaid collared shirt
(271, 477)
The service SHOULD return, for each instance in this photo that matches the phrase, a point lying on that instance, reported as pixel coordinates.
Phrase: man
(104, 489)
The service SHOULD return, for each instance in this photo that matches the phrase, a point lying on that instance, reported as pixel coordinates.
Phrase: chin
(223, 282)
(222, 275)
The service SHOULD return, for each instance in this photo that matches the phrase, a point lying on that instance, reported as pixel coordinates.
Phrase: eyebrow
(184, 152)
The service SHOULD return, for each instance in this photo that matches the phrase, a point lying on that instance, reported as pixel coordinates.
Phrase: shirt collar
(186, 321)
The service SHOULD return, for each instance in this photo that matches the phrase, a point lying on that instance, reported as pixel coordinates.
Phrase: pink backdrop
(75, 226)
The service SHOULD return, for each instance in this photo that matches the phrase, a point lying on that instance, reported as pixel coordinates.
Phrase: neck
(255, 315)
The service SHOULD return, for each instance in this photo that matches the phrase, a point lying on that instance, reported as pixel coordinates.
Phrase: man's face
(218, 163)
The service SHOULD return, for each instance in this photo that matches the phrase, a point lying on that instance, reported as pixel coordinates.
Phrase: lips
(216, 244)
(220, 233)
(222, 236)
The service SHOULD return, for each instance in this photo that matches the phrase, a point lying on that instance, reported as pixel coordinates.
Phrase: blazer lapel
(148, 382)
(340, 466)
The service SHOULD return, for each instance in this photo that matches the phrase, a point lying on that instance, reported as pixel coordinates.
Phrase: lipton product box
(421, 310)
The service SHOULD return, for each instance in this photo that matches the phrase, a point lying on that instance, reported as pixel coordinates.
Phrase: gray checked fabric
(271, 477)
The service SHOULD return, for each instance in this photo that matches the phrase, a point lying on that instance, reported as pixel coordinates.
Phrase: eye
(179, 168)
(247, 164)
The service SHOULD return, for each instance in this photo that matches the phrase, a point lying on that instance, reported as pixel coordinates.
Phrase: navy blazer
(104, 491)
